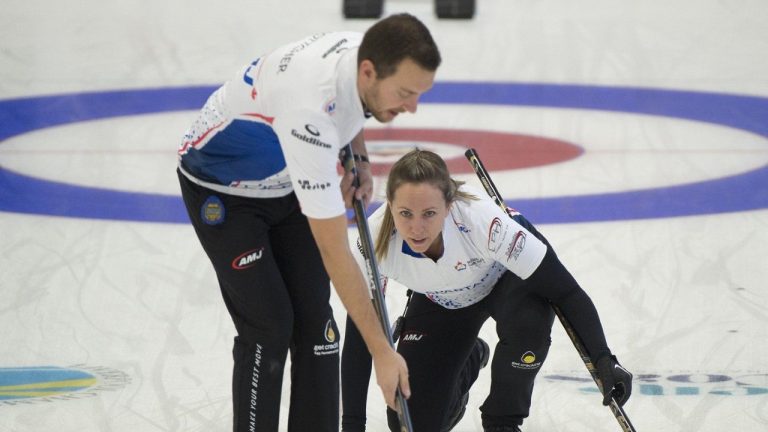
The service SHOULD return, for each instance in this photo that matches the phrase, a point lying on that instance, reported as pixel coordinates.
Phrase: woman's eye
(429, 213)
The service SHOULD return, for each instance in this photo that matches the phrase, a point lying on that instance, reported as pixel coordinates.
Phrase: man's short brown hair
(395, 38)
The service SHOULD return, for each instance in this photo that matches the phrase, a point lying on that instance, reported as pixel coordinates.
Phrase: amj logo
(247, 259)
(412, 337)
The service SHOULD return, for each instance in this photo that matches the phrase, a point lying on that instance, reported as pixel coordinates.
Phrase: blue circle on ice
(741, 192)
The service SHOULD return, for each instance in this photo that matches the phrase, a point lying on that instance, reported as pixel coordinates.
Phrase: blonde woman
(465, 261)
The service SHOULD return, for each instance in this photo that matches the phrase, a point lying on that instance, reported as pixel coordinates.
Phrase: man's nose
(411, 104)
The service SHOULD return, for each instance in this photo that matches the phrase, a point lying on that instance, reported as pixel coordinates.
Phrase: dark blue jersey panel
(244, 150)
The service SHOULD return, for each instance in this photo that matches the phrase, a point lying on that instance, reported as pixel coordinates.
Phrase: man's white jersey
(279, 124)
(480, 241)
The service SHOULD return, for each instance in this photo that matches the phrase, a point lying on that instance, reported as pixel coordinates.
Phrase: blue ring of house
(746, 191)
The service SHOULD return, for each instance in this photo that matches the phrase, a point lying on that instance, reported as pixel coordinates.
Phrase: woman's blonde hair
(417, 166)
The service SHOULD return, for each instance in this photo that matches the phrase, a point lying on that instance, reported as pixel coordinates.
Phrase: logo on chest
(472, 262)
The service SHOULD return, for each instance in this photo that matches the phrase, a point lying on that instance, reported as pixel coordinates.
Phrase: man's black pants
(277, 292)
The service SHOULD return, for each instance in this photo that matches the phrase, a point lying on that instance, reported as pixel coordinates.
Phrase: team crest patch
(212, 211)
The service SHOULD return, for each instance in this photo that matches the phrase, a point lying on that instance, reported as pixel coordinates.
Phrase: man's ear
(367, 70)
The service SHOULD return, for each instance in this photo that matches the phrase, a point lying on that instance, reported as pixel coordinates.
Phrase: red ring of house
(497, 150)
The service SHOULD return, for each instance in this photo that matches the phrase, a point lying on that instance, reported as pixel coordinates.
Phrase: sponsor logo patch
(516, 246)
(247, 259)
(310, 139)
(412, 337)
(527, 361)
(332, 345)
(307, 185)
(335, 48)
(330, 334)
(475, 262)
(312, 129)
(494, 235)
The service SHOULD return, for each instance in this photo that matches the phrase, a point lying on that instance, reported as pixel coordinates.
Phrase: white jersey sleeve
(311, 146)
(504, 240)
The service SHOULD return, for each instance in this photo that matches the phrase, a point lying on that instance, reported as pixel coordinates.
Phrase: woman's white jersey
(480, 242)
